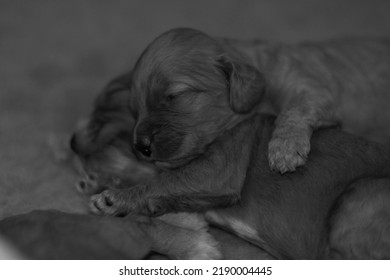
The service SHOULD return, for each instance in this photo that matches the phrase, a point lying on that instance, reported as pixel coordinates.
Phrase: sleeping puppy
(218, 82)
(101, 142)
(297, 216)
(105, 159)
(288, 216)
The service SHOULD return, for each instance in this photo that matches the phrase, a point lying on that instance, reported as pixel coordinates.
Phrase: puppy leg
(290, 143)
(181, 236)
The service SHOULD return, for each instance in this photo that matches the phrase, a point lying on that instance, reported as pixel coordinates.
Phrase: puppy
(58, 235)
(302, 215)
(288, 215)
(102, 142)
(105, 159)
(361, 221)
(218, 82)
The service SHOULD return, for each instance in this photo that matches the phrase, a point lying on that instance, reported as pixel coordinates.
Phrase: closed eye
(172, 96)
(176, 90)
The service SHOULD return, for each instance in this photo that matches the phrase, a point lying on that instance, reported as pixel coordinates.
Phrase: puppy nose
(143, 145)
(73, 144)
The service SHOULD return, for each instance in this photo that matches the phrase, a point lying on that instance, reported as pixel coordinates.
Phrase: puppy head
(186, 91)
(110, 117)
(103, 142)
(113, 166)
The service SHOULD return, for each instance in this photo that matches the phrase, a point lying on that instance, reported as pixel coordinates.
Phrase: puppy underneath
(105, 159)
(102, 142)
(218, 82)
(287, 215)
(361, 221)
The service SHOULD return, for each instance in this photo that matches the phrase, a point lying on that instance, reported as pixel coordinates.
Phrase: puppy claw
(94, 208)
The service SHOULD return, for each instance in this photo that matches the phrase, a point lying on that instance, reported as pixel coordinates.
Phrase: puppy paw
(287, 151)
(120, 202)
(109, 202)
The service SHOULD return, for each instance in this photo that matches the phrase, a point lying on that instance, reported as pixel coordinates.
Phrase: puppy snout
(143, 145)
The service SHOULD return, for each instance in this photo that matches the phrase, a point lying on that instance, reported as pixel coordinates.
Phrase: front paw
(287, 151)
(115, 202)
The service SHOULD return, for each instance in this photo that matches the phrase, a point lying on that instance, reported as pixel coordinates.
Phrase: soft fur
(103, 142)
(286, 215)
(217, 82)
(58, 235)
(106, 159)
(291, 216)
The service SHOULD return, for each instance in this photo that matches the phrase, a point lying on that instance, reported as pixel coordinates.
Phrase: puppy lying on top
(336, 206)
(307, 85)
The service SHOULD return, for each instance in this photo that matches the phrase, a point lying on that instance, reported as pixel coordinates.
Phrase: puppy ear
(246, 84)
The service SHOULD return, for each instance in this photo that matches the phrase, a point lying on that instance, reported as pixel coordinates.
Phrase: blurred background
(55, 56)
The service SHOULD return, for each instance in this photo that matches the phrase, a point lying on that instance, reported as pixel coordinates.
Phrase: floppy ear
(246, 85)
